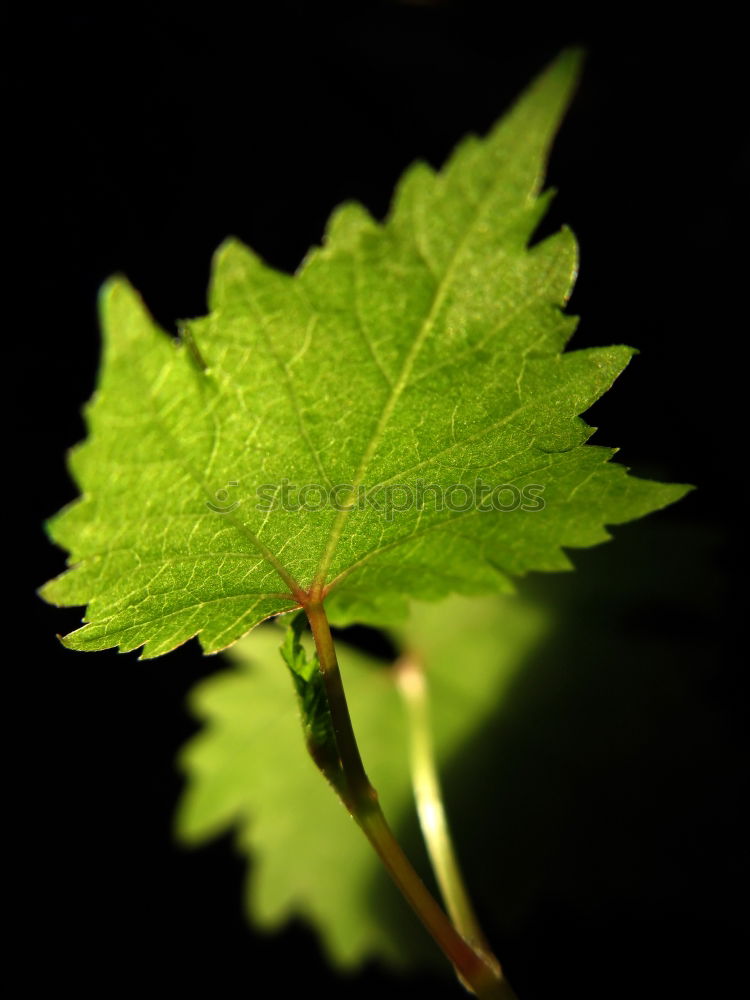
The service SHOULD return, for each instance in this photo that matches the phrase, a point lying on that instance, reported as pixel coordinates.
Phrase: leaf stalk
(476, 971)
(412, 685)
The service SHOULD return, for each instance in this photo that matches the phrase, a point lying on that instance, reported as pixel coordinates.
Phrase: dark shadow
(595, 817)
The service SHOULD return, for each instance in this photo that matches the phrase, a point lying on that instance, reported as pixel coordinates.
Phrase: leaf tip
(230, 245)
(564, 72)
(571, 60)
(231, 264)
(45, 593)
(229, 253)
(559, 78)
(67, 640)
(115, 291)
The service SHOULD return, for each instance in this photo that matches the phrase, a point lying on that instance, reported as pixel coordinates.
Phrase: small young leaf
(398, 420)
(313, 701)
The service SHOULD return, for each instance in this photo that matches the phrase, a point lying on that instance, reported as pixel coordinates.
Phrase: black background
(615, 806)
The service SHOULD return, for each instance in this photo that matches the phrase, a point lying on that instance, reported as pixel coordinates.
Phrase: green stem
(412, 684)
(357, 791)
(479, 975)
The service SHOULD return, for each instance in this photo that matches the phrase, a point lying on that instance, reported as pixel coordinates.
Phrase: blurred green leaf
(248, 768)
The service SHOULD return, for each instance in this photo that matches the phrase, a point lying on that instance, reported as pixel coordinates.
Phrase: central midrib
(393, 399)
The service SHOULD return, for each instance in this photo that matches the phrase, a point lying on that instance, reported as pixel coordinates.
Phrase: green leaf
(317, 725)
(248, 769)
(405, 368)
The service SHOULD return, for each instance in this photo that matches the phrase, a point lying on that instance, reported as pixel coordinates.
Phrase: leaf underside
(424, 351)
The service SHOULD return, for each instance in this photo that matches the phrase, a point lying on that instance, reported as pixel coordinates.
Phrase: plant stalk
(412, 684)
(474, 970)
